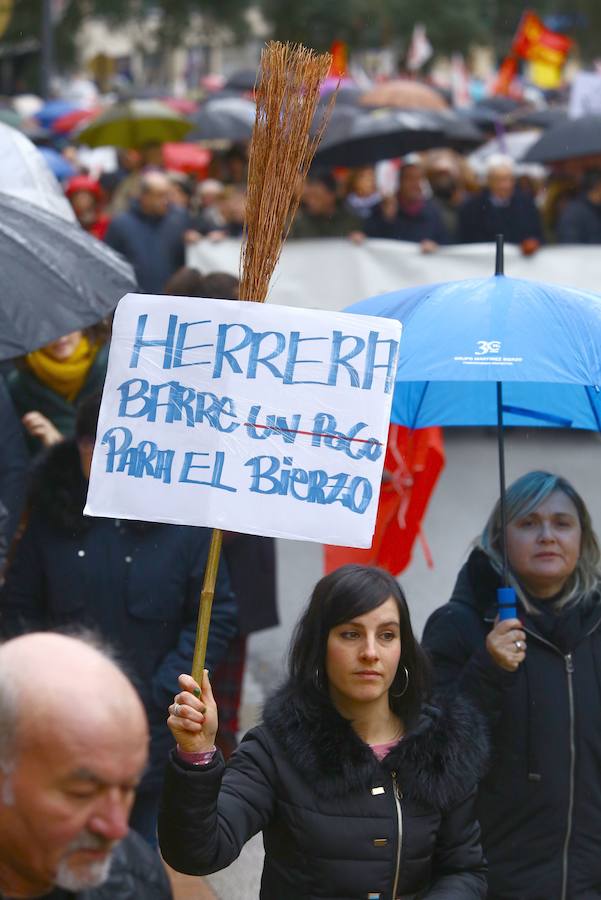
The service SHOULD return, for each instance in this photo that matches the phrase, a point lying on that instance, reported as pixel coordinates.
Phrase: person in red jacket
(87, 199)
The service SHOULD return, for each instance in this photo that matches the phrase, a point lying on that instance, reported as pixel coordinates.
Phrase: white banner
(332, 274)
(247, 417)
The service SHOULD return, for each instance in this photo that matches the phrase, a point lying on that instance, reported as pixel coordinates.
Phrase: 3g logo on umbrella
(485, 347)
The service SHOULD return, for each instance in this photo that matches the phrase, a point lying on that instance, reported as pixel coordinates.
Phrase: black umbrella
(568, 140)
(499, 104)
(459, 133)
(538, 118)
(244, 80)
(224, 119)
(56, 278)
(379, 134)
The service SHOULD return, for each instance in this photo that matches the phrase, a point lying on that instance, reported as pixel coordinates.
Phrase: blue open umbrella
(495, 351)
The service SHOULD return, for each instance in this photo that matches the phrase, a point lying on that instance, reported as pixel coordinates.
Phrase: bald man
(73, 746)
(150, 234)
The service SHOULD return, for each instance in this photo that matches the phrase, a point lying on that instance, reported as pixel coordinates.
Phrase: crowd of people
(467, 766)
(150, 214)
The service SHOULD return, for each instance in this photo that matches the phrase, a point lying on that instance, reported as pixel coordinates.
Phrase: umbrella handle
(507, 603)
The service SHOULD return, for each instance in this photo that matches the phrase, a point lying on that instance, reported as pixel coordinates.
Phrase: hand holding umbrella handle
(507, 603)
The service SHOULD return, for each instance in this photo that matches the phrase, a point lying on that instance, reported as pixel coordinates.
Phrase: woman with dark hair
(537, 678)
(360, 788)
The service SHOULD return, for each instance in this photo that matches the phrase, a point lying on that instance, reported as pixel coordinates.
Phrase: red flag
(413, 463)
(536, 43)
(338, 68)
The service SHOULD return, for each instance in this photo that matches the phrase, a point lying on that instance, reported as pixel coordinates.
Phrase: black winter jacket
(480, 220)
(425, 225)
(136, 873)
(580, 222)
(540, 804)
(336, 822)
(137, 584)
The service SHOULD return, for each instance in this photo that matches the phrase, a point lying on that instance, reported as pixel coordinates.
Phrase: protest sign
(266, 420)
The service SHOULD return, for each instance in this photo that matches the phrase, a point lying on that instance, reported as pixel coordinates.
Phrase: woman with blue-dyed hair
(538, 680)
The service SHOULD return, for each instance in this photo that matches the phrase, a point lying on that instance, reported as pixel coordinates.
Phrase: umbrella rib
(419, 405)
(592, 405)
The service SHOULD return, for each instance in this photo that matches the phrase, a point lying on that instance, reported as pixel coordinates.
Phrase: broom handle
(206, 602)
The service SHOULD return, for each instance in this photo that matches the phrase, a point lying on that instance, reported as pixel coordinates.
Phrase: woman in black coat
(538, 680)
(360, 788)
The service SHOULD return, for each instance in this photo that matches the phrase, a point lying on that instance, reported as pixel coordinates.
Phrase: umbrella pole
(505, 595)
(206, 603)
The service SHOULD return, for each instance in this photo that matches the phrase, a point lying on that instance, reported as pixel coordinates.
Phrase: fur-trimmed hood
(437, 762)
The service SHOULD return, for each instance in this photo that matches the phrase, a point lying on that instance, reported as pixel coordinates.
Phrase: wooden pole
(281, 150)
(206, 604)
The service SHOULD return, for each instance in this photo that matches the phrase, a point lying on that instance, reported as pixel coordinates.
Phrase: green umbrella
(134, 123)
(10, 117)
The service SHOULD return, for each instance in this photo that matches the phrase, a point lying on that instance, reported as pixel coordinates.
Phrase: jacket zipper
(569, 671)
(399, 818)
(569, 664)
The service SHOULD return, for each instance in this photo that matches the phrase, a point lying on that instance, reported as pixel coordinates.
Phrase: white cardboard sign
(260, 419)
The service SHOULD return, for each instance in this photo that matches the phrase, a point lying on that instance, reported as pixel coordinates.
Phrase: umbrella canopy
(71, 120)
(367, 137)
(132, 124)
(24, 173)
(568, 140)
(224, 119)
(404, 94)
(546, 117)
(60, 167)
(499, 104)
(56, 278)
(187, 158)
(461, 338)
(496, 351)
(52, 110)
(243, 80)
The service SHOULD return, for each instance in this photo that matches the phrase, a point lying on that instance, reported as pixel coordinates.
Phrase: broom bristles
(281, 152)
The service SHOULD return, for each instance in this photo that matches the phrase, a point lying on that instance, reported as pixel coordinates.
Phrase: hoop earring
(317, 684)
(396, 696)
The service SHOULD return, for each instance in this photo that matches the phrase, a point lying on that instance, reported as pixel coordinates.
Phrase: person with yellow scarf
(51, 381)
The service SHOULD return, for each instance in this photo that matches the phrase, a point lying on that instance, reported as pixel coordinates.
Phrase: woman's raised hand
(193, 715)
(506, 643)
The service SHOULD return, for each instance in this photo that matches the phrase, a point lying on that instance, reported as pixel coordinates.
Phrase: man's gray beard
(85, 876)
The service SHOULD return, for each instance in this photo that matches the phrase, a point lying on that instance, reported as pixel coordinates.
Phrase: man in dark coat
(136, 583)
(410, 216)
(73, 746)
(501, 209)
(151, 234)
(580, 220)
(545, 788)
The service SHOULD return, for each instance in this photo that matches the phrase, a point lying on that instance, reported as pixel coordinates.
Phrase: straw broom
(281, 151)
